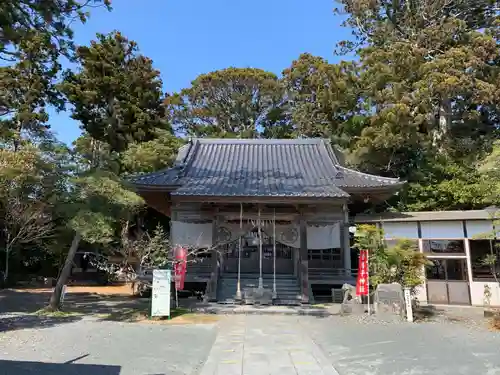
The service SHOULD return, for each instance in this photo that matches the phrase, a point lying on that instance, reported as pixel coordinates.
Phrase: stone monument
(389, 300)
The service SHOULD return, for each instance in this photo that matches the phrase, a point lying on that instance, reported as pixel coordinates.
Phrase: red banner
(362, 281)
(180, 255)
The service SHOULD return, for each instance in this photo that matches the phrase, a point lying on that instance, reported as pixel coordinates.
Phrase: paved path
(265, 345)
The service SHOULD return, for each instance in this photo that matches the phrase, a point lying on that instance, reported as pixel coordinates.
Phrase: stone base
(258, 296)
(489, 313)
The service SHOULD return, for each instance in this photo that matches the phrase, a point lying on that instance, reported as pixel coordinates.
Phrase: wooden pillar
(215, 249)
(346, 243)
(216, 255)
(304, 262)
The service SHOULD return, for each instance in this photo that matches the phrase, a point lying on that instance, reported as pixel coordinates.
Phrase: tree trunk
(443, 126)
(6, 273)
(55, 298)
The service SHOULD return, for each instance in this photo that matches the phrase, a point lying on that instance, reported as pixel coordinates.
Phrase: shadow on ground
(12, 323)
(42, 368)
(25, 309)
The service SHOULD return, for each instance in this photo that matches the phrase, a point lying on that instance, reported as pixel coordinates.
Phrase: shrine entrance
(250, 255)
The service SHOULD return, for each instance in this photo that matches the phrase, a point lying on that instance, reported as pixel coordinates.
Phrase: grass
(495, 322)
(56, 314)
(178, 316)
(320, 306)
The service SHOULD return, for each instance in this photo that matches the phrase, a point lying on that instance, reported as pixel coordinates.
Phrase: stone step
(287, 288)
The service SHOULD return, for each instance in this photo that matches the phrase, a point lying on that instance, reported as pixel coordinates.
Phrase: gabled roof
(260, 168)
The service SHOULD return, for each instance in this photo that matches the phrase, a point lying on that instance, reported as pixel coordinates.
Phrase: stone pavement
(265, 345)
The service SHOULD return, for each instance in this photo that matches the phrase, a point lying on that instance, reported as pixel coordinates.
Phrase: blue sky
(186, 38)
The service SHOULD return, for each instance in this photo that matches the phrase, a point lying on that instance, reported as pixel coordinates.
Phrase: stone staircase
(287, 287)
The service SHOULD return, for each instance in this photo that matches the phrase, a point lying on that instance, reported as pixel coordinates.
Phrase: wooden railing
(331, 273)
(199, 268)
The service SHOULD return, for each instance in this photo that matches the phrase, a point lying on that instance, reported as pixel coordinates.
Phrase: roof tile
(261, 167)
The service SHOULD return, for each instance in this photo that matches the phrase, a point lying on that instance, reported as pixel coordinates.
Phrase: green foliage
(116, 95)
(98, 204)
(50, 19)
(232, 102)
(402, 264)
(34, 35)
(155, 251)
(429, 74)
(153, 155)
(323, 98)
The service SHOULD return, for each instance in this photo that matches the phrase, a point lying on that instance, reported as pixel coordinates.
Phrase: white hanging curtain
(318, 236)
(195, 235)
(323, 237)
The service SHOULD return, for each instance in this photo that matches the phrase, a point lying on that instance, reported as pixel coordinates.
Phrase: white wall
(442, 229)
(477, 293)
(422, 293)
(400, 230)
(479, 228)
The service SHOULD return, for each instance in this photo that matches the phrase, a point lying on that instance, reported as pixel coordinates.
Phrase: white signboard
(409, 307)
(160, 301)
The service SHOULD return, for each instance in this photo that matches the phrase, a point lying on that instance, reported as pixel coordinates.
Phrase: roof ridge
(329, 152)
(279, 141)
(190, 156)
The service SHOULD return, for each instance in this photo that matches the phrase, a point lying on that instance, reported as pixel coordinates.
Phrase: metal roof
(424, 216)
(261, 168)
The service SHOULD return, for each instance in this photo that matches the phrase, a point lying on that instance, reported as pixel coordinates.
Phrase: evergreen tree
(233, 102)
(429, 74)
(116, 95)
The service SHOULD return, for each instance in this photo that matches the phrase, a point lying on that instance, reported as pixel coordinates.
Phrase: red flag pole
(368, 280)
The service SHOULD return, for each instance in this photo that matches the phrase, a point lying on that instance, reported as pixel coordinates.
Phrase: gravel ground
(369, 346)
(88, 346)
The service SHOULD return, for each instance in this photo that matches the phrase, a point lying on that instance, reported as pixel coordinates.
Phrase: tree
(152, 155)
(233, 102)
(50, 19)
(26, 216)
(116, 94)
(323, 98)
(402, 264)
(98, 206)
(28, 88)
(489, 170)
(429, 73)
(34, 35)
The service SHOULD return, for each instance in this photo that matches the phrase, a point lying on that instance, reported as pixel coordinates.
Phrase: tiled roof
(256, 167)
(165, 177)
(354, 179)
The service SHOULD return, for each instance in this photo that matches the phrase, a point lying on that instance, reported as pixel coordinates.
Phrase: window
(455, 247)
(436, 271)
(326, 255)
(479, 249)
(447, 269)
(456, 269)
(394, 242)
(314, 254)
